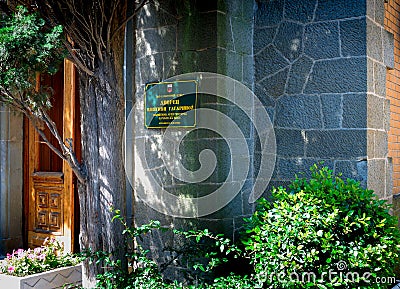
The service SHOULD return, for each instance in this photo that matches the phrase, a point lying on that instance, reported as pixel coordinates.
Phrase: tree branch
(76, 60)
(67, 150)
(140, 6)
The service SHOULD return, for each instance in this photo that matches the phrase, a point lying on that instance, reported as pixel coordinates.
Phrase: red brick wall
(392, 24)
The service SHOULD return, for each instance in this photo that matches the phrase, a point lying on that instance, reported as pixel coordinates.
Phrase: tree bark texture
(103, 123)
(95, 41)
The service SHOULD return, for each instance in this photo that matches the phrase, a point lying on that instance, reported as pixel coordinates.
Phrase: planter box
(67, 277)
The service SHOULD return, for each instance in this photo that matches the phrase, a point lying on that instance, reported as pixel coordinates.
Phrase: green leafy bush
(208, 251)
(26, 262)
(323, 233)
(27, 47)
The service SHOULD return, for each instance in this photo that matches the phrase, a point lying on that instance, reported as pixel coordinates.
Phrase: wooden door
(49, 181)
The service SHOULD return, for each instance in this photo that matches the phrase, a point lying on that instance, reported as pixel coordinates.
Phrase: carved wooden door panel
(49, 193)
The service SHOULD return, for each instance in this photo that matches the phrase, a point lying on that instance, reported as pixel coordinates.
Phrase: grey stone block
(379, 12)
(332, 110)
(243, 122)
(338, 9)
(172, 63)
(289, 142)
(248, 208)
(354, 111)
(224, 28)
(271, 113)
(362, 168)
(248, 70)
(289, 40)
(162, 176)
(248, 8)
(350, 169)
(381, 144)
(370, 75)
(233, 8)
(302, 11)
(239, 9)
(145, 214)
(222, 61)
(268, 61)
(374, 41)
(375, 117)
(353, 36)
(242, 36)
(263, 37)
(190, 157)
(208, 60)
(151, 68)
(231, 210)
(265, 99)
(195, 32)
(151, 41)
(370, 8)
(151, 16)
(303, 111)
(377, 177)
(386, 113)
(274, 85)
(196, 190)
(234, 65)
(371, 143)
(321, 40)
(185, 62)
(289, 167)
(268, 13)
(299, 71)
(342, 144)
(388, 49)
(380, 79)
(338, 76)
(138, 78)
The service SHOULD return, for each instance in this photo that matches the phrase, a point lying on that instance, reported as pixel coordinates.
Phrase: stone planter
(67, 277)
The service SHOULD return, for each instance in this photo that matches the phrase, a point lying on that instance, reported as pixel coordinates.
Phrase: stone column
(11, 176)
(380, 53)
(209, 36)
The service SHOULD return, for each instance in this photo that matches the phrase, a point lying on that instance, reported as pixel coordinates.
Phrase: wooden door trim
(68, 132)
(57, 181)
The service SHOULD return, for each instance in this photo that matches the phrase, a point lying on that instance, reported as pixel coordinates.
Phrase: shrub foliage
(322, 232)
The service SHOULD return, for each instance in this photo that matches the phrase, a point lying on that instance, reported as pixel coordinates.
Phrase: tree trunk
(102, 113)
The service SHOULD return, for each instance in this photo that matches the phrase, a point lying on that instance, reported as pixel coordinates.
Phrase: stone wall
(320, 67)
(10, 180)
(196, 36)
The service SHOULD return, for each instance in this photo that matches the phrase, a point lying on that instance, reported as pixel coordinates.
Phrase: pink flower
(41, 257)
(37, 250)
(20, 252)
(11, 269)
(31, 256)
(9, 256)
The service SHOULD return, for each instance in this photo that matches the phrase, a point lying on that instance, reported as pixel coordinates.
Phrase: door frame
(56, 181)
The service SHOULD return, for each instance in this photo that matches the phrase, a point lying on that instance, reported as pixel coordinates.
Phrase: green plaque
(170, 104)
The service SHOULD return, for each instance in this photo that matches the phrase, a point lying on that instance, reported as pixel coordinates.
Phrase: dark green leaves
(27, 47)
